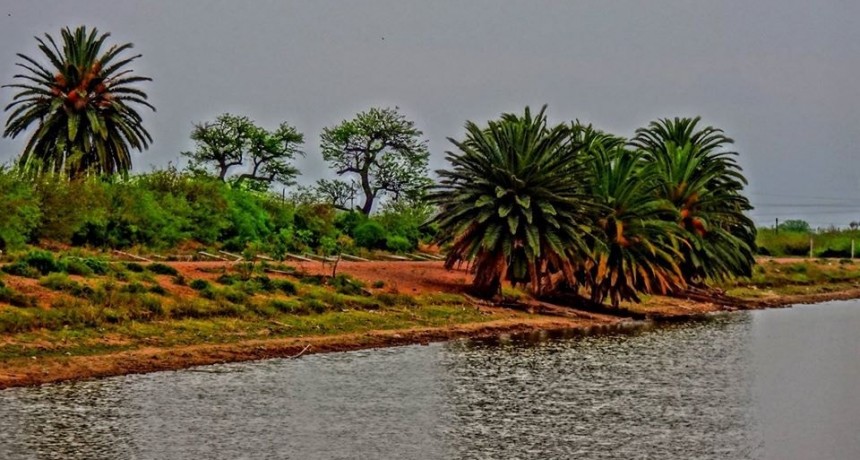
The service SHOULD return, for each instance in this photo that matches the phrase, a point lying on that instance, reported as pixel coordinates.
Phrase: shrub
(60, 282)
(134, 288)
(370, 235)
(391, 300)
(199, 284)
(134, 267)
(158, 289)
(378, 284)
(43, 261)
(286, 286)
(396, 243)
(162, 269)
(20, 268)
(19, 208)
(345, 284)
(227, 280)
(78, 267)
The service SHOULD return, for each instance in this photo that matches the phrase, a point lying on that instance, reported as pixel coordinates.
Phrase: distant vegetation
(793, 237)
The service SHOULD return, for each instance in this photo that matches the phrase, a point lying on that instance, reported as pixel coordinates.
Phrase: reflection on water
(743, 386)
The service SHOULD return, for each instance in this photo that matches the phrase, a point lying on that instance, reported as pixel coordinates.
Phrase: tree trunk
(489, 269)
(369, 195)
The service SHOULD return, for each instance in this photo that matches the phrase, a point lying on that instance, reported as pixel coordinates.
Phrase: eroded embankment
(42, 370)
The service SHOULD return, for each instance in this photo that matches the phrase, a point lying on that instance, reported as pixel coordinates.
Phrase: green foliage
(82, 107)
(397, 243)
(637, 246)
(345, 284)
(43, 261)
(701, 178)
(134, 267)
(199, 284)
(236, 141)
(19, 208)
(513, 202)
(370, 235)
(795, 225)
(162, 269)
(382, 151)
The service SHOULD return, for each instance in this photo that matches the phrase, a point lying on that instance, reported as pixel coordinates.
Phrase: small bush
(235, 295)
(379, 284)
(134, 288)
(162, 269)
(178, 280)
(158, 289)
(199, 284)
(43, 261)
(345, 284)
(60, 282)
(134, 267)
(227, 280)
(20, 268)
(98, 266)
(397, 243)
(370, 235)
(286, 286)
(315, 305)
(78, 267)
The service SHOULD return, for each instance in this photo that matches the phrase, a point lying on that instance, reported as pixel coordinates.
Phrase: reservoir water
(776, 384)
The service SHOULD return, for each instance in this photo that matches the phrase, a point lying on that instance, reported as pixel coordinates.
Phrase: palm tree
(637, 246)
(512, 203)
(82, 106)
(694, 171)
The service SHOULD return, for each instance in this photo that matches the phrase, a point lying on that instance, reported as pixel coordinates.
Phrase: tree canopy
(235, 142)
(82, 102)
(382, 150)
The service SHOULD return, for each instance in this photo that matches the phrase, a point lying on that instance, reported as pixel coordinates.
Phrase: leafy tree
(338, 193)
(697, 174)
(513, 203)
(82, 103)
(801, 226)
(232, 141)
(383, 150)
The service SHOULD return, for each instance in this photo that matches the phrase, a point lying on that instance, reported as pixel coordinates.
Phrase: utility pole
(776, 227)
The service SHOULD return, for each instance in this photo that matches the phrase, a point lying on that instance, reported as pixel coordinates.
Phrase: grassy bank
(69, 316)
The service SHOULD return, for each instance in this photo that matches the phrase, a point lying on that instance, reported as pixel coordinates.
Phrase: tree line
(554, 207)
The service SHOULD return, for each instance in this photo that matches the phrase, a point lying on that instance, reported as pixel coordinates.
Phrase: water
(777, 384)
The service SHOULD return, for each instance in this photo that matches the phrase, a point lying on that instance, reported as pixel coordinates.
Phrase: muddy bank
(29, 372)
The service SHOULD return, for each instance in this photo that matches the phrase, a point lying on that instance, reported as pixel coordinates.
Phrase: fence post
(811, 246)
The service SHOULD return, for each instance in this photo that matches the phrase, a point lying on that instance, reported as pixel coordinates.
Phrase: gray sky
(780, 76)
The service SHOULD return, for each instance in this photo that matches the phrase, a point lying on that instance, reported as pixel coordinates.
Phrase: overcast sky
(779, 76)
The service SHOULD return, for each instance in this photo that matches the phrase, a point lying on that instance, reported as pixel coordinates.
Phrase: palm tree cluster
(571, 207)
(81, 100)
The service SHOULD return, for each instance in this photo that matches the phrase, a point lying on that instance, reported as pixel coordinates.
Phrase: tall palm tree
(696, 172)
(637, 247)
(81, 102)
(512, 203)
